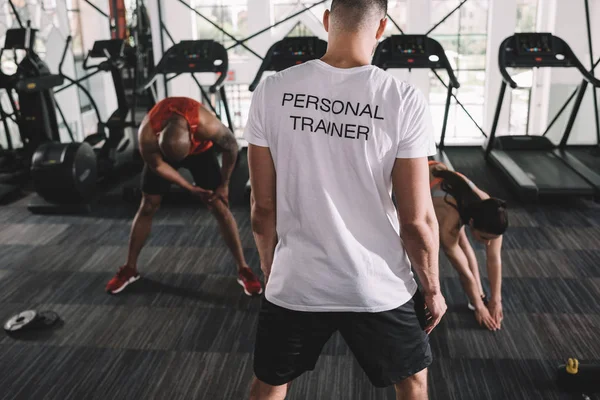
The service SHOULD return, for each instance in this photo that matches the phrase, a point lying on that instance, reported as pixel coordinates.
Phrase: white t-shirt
(334, 135)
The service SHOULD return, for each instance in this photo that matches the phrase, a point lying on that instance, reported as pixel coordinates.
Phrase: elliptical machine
(66, 174)
(34, 113)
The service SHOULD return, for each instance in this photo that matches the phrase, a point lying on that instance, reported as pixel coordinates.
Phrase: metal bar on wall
(307, 8)
(97, 9)
(220, 29)
(446, 17)
(459, 103)
(564, 106)
(17, 16)
(165, 30)
(591, 48)
(162, 40)
(395, 24)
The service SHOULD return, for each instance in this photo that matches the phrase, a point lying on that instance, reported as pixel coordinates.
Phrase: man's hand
(203, 194)
(496, 312)
(222, 192)
(436, 305)
(484, 318)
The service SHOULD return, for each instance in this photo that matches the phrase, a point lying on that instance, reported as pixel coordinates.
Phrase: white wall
(502, 21)
(68, 99)
(95, 26)
(180, 24)
(568, 22)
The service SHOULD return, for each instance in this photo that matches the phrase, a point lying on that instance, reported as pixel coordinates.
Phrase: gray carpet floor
(185, 331)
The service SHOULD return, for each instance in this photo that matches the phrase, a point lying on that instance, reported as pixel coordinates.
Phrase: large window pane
(437, 113)
(465, 128)
(473, 17)
(464, 38)
(472, 52)
(397, 10)
(439, 10)
(527, 15)
(520, 98)
(231, 16)
(472, 85)
(450, 45)
(519, 111)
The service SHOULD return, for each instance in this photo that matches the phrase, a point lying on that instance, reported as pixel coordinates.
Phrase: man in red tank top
(180, 132)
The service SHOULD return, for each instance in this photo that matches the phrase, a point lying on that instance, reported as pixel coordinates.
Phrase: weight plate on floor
(20, 321)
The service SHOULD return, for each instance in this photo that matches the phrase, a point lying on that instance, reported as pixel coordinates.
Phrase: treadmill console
(412, 51)
(532, 50)
(409, 46)
(293, 51)
(108, 49)
(191, 56)
(16, 39)
(529, 50)
(538, 44)
(288, 52)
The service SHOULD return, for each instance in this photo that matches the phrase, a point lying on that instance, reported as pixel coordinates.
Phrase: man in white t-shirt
(328, 140)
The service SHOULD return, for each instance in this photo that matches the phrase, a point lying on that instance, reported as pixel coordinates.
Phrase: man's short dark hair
(356, 12)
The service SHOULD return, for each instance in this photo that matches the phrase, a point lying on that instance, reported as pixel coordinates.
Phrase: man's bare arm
(418, 224)
(213, 129)
(150, 152)
(263, 201)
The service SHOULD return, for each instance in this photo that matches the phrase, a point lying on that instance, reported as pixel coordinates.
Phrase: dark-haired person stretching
(181, 132)
(459, 203)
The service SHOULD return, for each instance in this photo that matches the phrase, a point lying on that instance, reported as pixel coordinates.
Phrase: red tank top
(188, 109)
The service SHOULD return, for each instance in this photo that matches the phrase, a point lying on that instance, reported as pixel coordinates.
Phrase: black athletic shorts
(390, 346)
(204, 167)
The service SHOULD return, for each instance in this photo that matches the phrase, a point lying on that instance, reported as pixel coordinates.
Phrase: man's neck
(346, 52)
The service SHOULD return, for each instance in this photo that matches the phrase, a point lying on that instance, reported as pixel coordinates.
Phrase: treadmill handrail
(263, 67)
(85, 62)
(588, 76)
(64, 55)
(502, 62)
(444, 60)
(221, 79)
(149, 84)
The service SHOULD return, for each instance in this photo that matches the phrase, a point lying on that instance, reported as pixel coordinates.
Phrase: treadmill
(288, 52)
(583, 159)
(193, 57)
(533, 165)
(419, 51)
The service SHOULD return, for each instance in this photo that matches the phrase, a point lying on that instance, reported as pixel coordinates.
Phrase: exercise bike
(66, 174)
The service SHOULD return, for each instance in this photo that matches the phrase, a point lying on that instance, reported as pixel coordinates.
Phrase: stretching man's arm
(213, 129)
(150, 152)
(419, 230)
(263, 202)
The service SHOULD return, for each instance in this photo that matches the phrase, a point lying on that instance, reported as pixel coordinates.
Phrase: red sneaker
(249, 282)
(122, 279)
